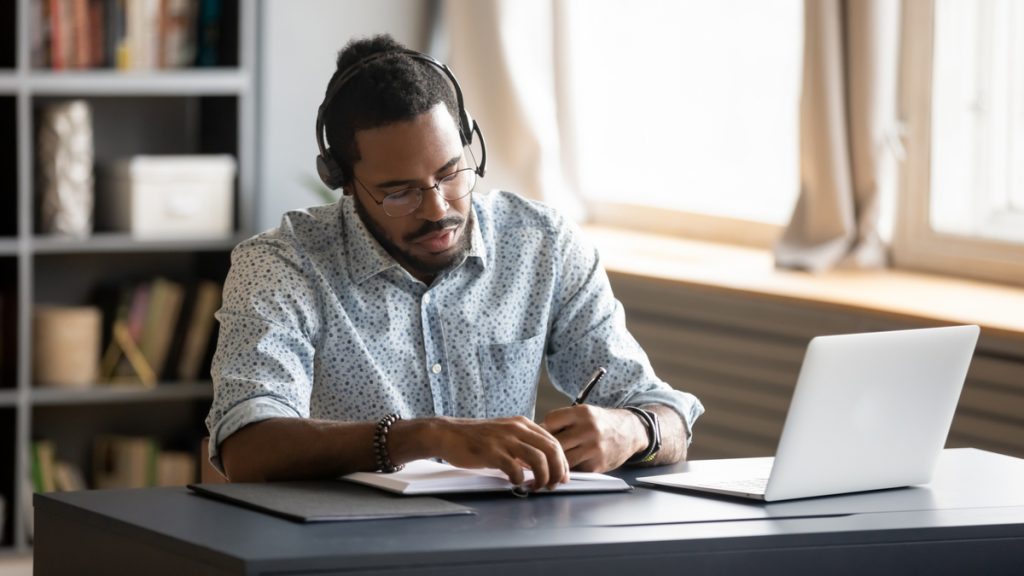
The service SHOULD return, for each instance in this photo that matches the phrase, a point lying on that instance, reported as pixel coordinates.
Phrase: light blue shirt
(319, 321)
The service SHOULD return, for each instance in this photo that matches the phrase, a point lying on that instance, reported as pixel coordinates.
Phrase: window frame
(915, 244)
(689, 225)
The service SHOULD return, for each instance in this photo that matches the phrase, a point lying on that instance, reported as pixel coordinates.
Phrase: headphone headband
(328, 168)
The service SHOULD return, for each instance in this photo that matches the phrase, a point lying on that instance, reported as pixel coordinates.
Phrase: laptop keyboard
(745, 485)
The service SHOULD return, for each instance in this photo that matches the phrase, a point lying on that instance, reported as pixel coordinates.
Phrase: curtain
(847, 128)
(506, 55)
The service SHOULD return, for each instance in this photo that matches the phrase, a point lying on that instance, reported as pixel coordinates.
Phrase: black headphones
(329, 170)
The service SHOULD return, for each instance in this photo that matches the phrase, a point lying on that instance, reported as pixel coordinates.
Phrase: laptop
(870, 411)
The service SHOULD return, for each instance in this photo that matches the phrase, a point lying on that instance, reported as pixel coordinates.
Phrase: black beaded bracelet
(380, 444)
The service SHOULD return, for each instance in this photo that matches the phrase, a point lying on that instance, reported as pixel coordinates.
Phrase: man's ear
(346, 190)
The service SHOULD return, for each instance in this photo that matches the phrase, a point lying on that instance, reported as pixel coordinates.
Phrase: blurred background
(754, 173)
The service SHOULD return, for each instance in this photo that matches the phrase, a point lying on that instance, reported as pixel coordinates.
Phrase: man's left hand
(596, 439)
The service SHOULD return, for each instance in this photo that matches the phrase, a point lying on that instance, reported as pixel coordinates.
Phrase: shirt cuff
(241, 415)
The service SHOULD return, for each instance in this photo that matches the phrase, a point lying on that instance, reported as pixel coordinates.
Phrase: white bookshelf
(202, 111)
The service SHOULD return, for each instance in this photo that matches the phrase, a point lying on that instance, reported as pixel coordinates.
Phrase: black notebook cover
(327, 501)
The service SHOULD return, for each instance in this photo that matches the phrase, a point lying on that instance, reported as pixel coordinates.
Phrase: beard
(416, 264)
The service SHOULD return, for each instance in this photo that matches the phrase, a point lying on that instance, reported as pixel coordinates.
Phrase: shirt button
(436, 368)
(426, 298)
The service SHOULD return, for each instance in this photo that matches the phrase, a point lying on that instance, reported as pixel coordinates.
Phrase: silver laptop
(870, 411)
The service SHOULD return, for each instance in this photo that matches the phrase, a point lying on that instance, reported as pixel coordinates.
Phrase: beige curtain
(506, 55)
(847, 127)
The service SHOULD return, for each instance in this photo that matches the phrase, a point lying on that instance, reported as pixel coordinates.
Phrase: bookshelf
(188, 110)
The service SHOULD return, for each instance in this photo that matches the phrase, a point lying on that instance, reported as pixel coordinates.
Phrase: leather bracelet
(380, 444)
(650, 422)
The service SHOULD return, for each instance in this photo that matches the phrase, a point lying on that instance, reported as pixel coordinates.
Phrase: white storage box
(172, 197)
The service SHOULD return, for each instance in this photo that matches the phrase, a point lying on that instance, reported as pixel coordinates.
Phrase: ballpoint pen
(582, 397)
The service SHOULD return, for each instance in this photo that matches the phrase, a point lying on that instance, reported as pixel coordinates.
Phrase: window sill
(928, 297)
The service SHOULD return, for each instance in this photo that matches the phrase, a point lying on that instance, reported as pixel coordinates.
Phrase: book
(124, 461)
(161, 320)
(130, 34)
(43, 461)
(67, 477)
(430, 477)
(175, 468)
(81, 37)
(199, 330)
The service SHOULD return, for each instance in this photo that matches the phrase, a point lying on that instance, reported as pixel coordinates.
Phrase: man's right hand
(508, 444)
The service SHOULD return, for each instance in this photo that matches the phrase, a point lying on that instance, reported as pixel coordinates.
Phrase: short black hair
(386, 91)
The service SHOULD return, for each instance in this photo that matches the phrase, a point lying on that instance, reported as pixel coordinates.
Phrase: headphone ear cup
(329, 172)
(466, 130)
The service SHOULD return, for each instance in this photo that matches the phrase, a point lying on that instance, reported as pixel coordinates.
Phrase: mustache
(429, 227)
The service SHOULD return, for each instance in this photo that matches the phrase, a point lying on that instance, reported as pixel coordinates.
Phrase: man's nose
(433, 206)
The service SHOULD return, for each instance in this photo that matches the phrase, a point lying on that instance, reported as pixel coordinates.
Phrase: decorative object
(66, 345)
(65, 157)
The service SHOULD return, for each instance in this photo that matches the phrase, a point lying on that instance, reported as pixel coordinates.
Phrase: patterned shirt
(319, 321)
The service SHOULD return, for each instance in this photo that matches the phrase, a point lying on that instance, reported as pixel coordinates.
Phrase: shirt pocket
(509, 374)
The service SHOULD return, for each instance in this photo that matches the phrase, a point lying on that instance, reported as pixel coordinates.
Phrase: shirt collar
(367, 258)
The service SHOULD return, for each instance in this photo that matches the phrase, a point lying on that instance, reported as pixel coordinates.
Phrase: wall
(298, 43)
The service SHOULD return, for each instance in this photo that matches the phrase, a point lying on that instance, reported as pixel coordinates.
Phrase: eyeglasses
(454, 186)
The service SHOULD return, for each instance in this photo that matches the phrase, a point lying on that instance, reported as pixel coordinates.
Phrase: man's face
(416, 153)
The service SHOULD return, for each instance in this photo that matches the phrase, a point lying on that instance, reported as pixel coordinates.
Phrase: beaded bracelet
(380, 444)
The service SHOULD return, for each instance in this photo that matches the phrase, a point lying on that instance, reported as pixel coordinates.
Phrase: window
(977, 168)
(962, 203)
(710, 126)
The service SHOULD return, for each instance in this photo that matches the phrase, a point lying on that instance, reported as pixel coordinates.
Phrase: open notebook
(430, 477)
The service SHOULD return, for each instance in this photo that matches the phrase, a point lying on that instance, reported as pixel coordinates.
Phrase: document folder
(326, 501)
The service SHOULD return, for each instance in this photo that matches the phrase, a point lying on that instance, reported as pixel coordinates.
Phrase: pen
(598, 374)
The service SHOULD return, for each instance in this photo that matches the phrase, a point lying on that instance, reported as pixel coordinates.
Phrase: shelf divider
(121, 394)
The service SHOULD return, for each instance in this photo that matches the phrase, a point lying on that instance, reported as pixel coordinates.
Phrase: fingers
(513, 469)
(507, 444)
(592, 438)
(543, 454)
(576, 430)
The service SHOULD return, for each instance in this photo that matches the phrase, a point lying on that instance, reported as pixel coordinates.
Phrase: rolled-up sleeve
(264, 364)
(589, 330)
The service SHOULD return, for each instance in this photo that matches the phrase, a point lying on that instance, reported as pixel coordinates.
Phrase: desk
(970, 519)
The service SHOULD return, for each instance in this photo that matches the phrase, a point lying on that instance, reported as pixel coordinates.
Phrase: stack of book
(161, 330)
(118, 462)
(138, 462)
(130, 34)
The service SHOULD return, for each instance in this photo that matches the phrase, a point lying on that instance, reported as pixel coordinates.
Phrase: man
(410, 319)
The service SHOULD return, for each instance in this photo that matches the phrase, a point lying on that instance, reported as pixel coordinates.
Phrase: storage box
(171, 197)
(66, 345)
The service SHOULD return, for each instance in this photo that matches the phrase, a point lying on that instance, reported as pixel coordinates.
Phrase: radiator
(740, 353)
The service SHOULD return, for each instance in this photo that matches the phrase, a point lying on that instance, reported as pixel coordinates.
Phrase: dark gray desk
(970, 520)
